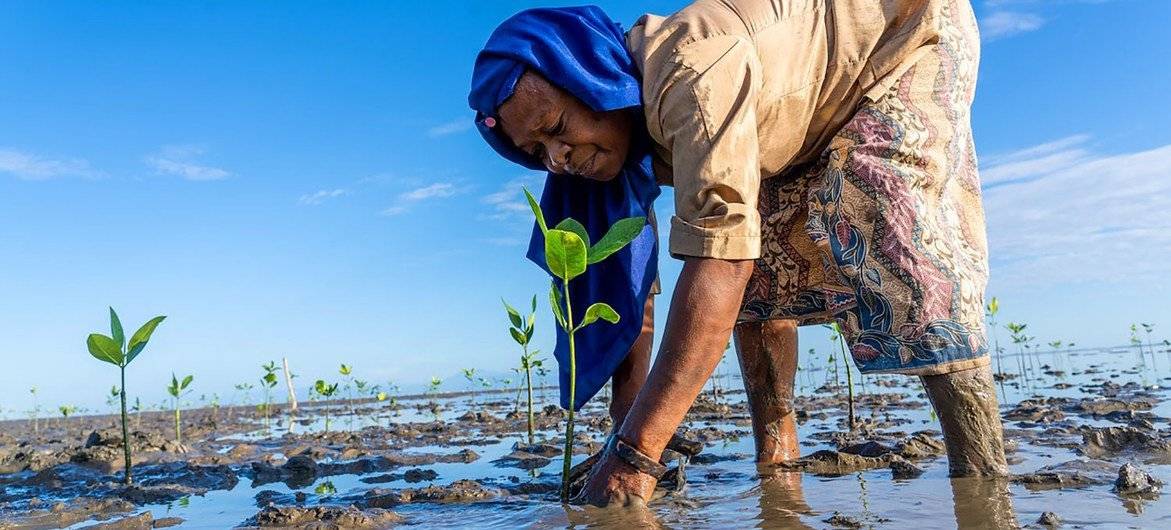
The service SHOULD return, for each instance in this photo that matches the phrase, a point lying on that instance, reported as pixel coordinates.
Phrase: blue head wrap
(582, 51)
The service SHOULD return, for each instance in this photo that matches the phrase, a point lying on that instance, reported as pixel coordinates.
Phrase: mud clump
(61, 515)
(142, 521)
(1133, 481)
(458, 491)
(323, 518)
(1071, 474)
(841, 520)
(919, 446)
(1048, 520)
(1107, 441)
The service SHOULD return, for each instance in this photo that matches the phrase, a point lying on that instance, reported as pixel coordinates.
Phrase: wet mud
(1093, 430)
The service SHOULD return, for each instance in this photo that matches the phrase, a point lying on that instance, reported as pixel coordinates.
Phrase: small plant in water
(326, 391)
(836, 336)
(67, 410)
(116, 351)
(522, 332)
(35, 413)
(177, 389)
(567, 254)
(268, 381)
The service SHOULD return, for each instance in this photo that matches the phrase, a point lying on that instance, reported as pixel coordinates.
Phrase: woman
(823, 170)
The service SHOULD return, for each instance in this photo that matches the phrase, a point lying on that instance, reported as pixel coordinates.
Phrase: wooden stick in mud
(289, 382)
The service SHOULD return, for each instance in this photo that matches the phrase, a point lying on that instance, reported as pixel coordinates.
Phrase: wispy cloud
(405, 199)
(508, 202)
(439, 189)
(1061, 213)
(999, 24)
(181, 160)
(451, 127)
(320, 196)
(28, 166)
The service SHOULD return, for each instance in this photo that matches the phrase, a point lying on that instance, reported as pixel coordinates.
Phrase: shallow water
(734, 493)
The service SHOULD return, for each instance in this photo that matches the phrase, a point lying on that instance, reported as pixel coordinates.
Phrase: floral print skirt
(884, 233)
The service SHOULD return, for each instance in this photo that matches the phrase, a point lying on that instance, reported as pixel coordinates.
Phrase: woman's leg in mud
(768, 360)
(631, 374)
(969, 415)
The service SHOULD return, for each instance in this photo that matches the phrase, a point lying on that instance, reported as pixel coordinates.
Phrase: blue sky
(300, 179)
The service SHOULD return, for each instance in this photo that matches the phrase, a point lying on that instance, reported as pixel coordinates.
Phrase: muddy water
(1107, 398)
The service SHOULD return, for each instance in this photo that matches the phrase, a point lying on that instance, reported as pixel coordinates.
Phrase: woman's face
(562, 132)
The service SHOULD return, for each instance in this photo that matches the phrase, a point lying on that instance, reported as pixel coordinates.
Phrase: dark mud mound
(323, 518)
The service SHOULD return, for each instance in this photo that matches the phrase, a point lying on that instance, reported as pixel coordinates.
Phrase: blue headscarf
(582, 51)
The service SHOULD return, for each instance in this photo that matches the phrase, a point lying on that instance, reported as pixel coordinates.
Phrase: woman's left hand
(613, 482)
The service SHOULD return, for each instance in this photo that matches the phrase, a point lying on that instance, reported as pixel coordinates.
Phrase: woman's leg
(768, 361)
(969, 415)
(631, 374)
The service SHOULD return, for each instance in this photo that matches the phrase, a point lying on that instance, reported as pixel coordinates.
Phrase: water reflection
(782, 499)
(982, 503)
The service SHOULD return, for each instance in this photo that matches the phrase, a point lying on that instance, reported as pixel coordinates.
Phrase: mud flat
(1088, 434)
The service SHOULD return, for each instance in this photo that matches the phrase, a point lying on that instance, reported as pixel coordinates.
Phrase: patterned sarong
(884, 233)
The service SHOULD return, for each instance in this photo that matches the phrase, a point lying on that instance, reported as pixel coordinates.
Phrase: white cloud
(180, 160)
(438, 190)
(508, 202)
(451, 127)
(1081, 217)
(27, 166)
(320, 196)
(1004, 23)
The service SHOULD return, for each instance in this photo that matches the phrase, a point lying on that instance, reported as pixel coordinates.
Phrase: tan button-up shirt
(738, 90)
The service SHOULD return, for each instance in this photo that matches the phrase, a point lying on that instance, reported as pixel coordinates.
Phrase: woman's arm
(703, 311)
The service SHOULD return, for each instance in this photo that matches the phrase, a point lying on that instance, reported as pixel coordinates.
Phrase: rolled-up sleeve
(708, 118)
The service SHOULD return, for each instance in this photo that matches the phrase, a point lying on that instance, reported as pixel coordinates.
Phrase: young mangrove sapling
(178, 389)
(567, 254)
(325, 391)
(522, 332)
(116, 351)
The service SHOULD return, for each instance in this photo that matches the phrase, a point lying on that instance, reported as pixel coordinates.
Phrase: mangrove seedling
(521, 330)
(433, 389)
(177, 389)
(347, 371)
(35, 412)
(268, 381)
(990, 312)
(116, 351)
(112, 399)
(66, 410)
(326, 392)
(836, 336)
(1148, 328)
(470, 375)
(567, 254)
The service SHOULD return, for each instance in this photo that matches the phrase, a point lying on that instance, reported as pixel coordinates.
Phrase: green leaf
(141, 337)
(618, 236)
(599, 311)
(513, 315)
(186, 381)
(116, 330)
(536, 211)
(570, 224)
(534, 309)
(518, 336)
(104, 348)
(555, 303)
(528, 334)
(565, 254)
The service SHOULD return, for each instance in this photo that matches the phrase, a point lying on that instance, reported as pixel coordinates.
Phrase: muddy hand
(613, 482)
